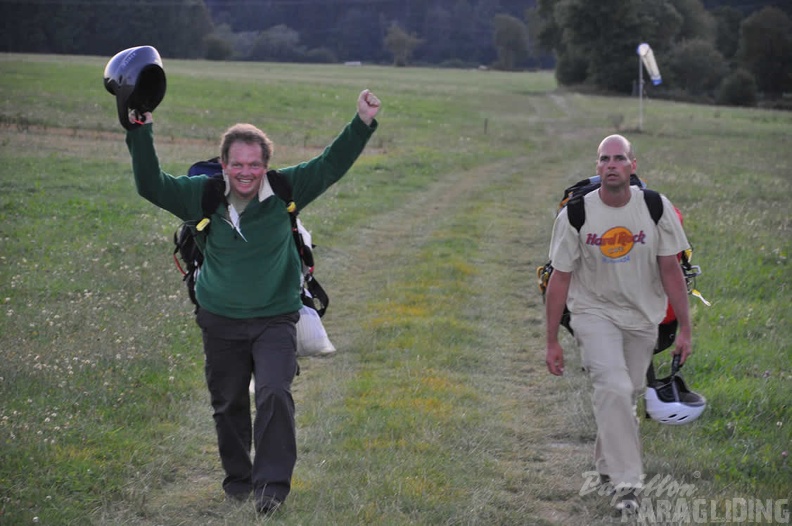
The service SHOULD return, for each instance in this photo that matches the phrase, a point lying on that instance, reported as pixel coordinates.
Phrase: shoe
(266, 505)
(628, 502)
(606, 486)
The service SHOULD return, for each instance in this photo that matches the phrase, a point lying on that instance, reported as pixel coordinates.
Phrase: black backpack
(188, 251)
(576, 212)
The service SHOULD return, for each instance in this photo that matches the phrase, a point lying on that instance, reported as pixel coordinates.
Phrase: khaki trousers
(616, 361)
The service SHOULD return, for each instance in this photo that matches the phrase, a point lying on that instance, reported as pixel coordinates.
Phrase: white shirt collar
(266, 190)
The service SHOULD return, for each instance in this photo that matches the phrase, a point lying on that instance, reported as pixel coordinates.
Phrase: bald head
(622, 143)
(615, 163)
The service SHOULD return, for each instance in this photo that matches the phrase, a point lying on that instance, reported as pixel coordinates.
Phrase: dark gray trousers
(267, 348)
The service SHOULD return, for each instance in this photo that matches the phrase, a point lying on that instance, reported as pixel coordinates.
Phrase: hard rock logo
(616, 242)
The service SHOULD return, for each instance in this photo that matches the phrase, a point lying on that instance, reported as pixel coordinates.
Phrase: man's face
(245, 169)
(614, 165)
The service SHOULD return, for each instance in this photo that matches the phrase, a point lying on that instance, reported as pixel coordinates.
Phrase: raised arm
(180, 196)
(311, 178)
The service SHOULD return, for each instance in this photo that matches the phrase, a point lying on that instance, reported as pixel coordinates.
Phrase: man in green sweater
(248, 290)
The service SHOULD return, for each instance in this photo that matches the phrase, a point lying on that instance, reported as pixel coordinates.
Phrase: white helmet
(669, 401)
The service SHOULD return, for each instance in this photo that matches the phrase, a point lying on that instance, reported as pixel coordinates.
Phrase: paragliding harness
(187, 253)
(576, 212)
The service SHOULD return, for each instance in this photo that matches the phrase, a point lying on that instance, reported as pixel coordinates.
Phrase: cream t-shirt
(613, 259)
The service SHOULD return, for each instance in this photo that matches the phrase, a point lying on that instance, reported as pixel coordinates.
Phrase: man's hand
(368, 106)
(683, 346)
(137, 118)
(555, 359)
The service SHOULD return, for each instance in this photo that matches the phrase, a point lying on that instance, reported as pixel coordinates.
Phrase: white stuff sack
(311, 335)
(312, 338)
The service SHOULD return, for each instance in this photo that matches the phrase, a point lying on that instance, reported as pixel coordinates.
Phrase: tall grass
(436, 408)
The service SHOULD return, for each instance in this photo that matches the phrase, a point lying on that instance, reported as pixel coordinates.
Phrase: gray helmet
(136, 77)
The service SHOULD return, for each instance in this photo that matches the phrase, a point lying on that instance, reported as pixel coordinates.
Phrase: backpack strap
(576, 212)
(654, 203)
(213, 191)
(213, 195)
(283, 190)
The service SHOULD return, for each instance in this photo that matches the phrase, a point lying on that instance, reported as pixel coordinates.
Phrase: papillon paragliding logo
(617, 242)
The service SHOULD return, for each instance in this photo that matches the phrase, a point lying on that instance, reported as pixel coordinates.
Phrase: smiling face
(615, 162)
(244, 169)
(245, 153)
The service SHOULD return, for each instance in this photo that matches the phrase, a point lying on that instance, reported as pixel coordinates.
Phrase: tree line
(717, 53)
(728, 51)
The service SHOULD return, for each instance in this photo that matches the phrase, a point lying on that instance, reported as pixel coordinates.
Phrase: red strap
(178, 265)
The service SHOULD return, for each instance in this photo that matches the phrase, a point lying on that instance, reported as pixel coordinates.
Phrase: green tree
(280, 44)
(401, 45)
(727, 35)
(437, 29)
(738, 89)
(463, 27)
(766, 50)
(597, 41)
(359, 35)
(696, 66)
(660, 24)
(176, 28)
(697, 22)
(321, 55)
(511, 41)
(572, 67)
(610, 51)
(217, 48)
(549, 35)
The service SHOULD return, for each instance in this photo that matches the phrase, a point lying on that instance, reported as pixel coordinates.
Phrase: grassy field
(437, 407)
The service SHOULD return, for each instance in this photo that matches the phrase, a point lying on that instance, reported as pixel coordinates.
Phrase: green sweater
(260, 274)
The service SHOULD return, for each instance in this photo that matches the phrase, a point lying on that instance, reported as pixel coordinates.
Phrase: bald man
(616, 275)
